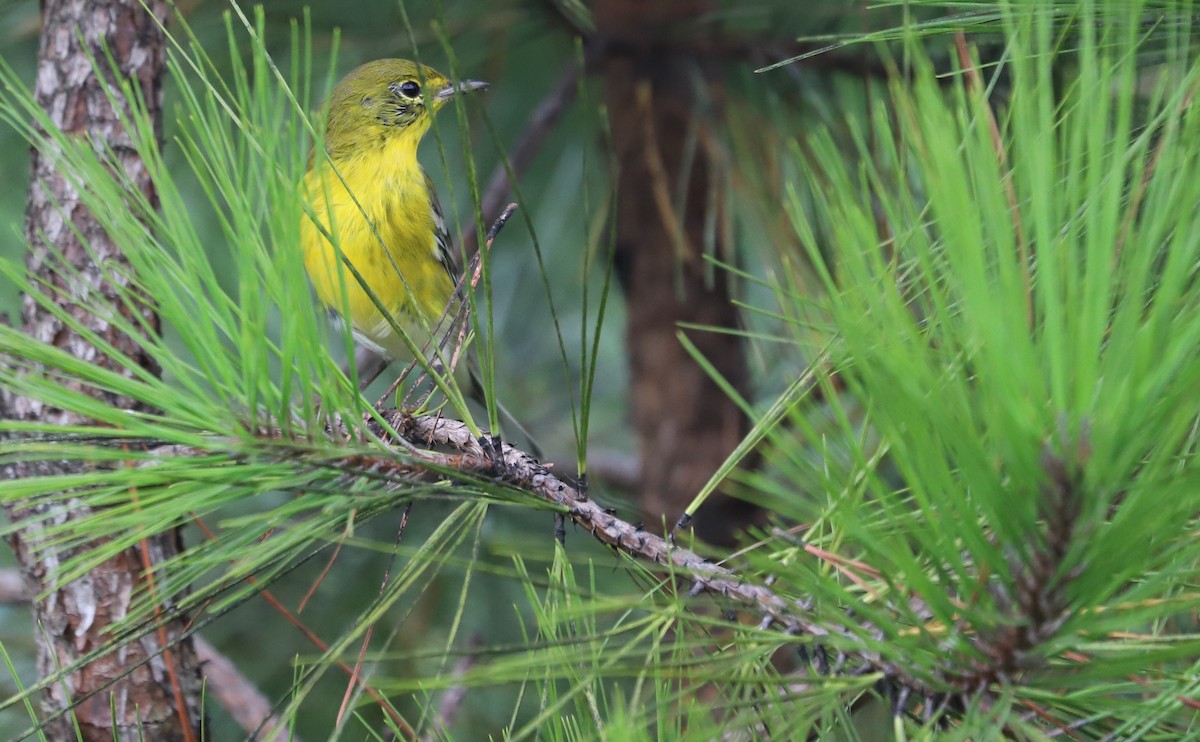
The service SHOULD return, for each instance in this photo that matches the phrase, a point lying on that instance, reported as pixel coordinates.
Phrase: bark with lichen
(141, 687)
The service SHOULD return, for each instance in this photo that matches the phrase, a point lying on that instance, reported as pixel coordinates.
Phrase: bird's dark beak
(466, 86)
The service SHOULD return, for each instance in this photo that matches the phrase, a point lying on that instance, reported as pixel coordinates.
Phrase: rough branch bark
(141, 691)
(523, 471)
(501, 462)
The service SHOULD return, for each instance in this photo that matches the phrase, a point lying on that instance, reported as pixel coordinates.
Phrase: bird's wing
(441, 236)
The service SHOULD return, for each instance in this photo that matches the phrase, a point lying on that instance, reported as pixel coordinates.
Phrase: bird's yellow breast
(382, 218)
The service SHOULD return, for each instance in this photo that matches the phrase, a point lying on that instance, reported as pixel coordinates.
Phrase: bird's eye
(410, 89)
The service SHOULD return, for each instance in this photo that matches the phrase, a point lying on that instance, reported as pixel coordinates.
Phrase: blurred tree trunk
(143, 689)
(661, 99)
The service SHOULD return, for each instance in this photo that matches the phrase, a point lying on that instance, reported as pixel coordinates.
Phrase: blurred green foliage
(522, 48)
(924, 452)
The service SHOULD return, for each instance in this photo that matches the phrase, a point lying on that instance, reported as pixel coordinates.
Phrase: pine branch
(491, 458)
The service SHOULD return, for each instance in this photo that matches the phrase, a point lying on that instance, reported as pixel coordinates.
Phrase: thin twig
(170, 660)
(348, 696)
(337, 550)
(475, 270)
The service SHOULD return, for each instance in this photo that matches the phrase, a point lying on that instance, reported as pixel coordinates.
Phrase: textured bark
(139, 690)
(686, 425)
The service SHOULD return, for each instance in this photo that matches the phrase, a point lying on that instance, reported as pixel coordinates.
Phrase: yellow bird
(382, 212)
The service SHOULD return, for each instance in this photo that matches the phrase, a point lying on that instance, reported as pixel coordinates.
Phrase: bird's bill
(466, 86)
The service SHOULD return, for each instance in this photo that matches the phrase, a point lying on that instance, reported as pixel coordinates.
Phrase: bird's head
(385, 99)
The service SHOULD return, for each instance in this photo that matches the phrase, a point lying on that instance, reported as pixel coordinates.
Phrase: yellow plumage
(382, 212)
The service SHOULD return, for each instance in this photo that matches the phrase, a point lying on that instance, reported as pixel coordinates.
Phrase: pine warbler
(382, 212)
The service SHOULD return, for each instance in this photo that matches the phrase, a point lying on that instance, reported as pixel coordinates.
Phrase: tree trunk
(686, 425)
(148, 688)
